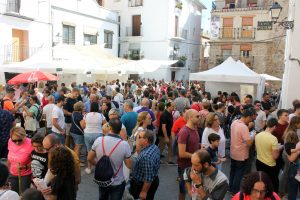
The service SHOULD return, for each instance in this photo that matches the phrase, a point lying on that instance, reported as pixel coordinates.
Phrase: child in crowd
(214, 140)
(39, 157)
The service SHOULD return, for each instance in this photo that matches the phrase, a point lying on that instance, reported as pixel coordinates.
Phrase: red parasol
(31, 77)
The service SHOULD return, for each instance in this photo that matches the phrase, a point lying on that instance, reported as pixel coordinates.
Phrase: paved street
(168, 187)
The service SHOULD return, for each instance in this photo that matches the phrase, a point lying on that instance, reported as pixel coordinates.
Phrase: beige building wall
(267, 54)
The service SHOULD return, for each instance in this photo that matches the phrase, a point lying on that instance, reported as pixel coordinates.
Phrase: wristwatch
(198, 185)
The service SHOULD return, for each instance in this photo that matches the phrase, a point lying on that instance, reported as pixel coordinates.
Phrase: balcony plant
(179, 5)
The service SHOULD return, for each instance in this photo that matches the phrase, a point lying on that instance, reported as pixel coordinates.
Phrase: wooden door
(136, 25)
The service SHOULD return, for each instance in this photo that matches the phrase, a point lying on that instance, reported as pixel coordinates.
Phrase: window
(68, 34)
(228, 31)
(108, 39)
(245, 53)
(247, 27)
(91, 39)
(246, 50)
(226, 51)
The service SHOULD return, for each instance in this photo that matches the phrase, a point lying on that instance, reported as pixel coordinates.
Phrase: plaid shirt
(147, 164)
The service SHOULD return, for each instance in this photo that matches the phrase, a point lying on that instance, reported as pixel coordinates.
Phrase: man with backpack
(111, 151)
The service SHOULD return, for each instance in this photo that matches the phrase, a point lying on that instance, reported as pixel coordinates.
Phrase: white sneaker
(88, 171)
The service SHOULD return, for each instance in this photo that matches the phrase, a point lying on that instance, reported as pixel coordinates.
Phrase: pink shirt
(247, 197)
(239, 149)
(19, 154)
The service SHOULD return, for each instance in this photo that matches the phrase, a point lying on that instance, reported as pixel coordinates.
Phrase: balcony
(244, 33)
(249, 61)
(13, 7)
(227, 33)
(232, 6)
(135, 3)
(10, 6)
(133, 31)
(14, 53)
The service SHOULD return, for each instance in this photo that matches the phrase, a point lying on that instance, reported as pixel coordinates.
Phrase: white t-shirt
(261, 117)
(221, 149)
(8, 195)
(121, 153)
(58, 113)
(93, 122)
(47, 110)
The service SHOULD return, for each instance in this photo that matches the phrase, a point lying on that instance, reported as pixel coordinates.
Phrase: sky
(206, 15)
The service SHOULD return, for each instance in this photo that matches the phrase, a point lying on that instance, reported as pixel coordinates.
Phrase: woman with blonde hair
(19, 160)
(292, 149)
(212, 125)
(143, 120)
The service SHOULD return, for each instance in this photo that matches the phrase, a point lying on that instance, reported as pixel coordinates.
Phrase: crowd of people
(121, 132)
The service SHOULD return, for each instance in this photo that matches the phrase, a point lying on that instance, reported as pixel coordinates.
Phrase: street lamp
(275, 12)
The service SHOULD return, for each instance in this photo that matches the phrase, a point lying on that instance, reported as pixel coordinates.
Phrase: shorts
(78, 139)
(181, 181)
(89, 139)
(68, 127)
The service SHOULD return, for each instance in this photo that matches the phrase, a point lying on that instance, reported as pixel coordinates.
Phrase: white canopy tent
(231, 76)
(270, 78)
(82, 59)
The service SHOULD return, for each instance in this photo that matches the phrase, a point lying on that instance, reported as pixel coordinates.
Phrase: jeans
(293, 184)
(181, 181)
(89, 139)
(113, 192)
(60, 137)
(136, 188)
(237, 170)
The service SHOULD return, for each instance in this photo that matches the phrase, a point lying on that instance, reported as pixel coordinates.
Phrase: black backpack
(104, 172)
(175, 144)
(39, 115)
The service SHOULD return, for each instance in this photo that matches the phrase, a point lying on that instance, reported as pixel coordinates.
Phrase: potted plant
(179, 5)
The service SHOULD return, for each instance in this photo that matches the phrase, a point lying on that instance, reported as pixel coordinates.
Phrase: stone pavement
(168, 187)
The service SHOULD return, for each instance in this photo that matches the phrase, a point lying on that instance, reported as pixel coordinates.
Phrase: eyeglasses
(17, 141)
(258, 105)
(48, 149)
(261, 192)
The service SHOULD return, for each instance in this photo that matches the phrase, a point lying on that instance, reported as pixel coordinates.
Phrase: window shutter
(227, 22)
(247, 21)
(226, 47)
(246, 47)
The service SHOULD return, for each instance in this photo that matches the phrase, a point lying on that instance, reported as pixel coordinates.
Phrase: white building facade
(161, 30)
(27, 27)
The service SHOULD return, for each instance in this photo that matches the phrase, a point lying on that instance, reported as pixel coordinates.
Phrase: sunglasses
(17, 141)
